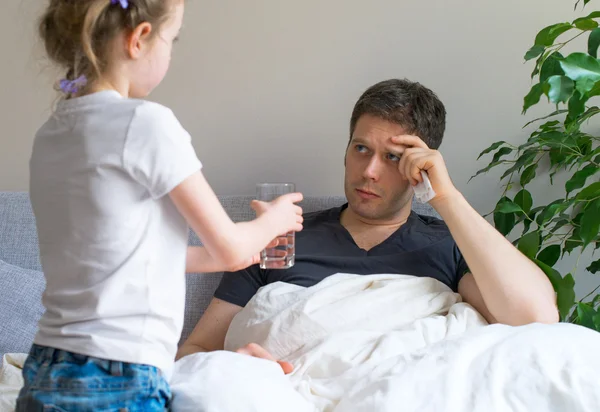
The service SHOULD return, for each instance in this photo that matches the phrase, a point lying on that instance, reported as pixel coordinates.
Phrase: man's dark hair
(406, 103)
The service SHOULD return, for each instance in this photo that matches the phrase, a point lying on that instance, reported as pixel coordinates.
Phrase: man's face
(374, 187)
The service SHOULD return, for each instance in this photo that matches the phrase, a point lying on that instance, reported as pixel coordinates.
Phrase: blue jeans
(57, 380)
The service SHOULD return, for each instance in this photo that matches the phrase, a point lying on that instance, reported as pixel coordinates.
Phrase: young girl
(114, 184)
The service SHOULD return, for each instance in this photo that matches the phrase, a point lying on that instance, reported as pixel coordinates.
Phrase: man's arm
(210, 331)
(512, 288)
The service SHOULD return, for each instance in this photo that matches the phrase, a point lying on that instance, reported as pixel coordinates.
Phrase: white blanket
(388, 343)
(11, 380)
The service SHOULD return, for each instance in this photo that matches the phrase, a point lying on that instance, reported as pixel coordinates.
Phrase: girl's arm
(229, 245)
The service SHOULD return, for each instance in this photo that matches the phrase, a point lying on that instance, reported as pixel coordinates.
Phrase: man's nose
(373, 169)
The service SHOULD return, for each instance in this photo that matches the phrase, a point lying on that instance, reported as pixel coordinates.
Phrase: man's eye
(393, 157)
(360, 148)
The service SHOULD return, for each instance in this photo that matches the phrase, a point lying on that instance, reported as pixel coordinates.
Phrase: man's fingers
(409, 141)
(286, 366)
(257, 351)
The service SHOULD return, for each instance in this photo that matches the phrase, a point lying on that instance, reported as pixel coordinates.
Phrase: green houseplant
(561, 143)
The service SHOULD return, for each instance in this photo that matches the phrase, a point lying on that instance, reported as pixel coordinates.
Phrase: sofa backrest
(18, 241)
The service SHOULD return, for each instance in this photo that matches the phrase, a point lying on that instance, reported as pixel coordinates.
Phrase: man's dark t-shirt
(422, 246)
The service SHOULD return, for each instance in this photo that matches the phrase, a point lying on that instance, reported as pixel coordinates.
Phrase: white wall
(266, 87)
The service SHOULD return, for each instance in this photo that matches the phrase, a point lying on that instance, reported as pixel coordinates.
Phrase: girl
(114, 184)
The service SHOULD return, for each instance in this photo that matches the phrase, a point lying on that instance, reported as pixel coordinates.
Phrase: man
(395, 130)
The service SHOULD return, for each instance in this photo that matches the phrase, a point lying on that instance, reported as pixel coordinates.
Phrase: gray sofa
(22, 282)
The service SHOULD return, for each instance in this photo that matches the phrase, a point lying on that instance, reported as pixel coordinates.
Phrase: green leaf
(534, 96)
(528, 174)
(524, 160)
(576, 108)
(550, 255)
(557, 156)
(592, 15)
(507, 206)
(566, 296)
(586, 314)
(561, 89)
(493, 147)
(590, 223)
(534, 52)
(594, 43)
(597, 322)
(555, 113)
(500, 153)
(580, 66)
(551, 67)
(527, 222)
(552, 274)
(548, 35)
(486, 169)
(595, 91)
(524, 200)
(557, 139)
(585, 24)
(573, 242)
(504, 222)
(550, 211)
(594, 267)
(559, 224)
(577, 181)
(590, 192)
(530, 244)
(585, 2)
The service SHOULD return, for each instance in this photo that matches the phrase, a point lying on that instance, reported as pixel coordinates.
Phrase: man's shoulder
(316, 218)
(430, 226)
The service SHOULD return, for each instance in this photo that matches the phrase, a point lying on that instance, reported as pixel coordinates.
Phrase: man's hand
(257, 351)
(416, 156)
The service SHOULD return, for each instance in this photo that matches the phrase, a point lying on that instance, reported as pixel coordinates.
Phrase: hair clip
(124, 3)
(72, 86)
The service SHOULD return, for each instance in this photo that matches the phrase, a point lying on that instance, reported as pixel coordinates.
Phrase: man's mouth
(366, 194)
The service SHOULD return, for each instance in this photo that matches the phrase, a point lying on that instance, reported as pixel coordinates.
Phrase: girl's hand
(283, 213)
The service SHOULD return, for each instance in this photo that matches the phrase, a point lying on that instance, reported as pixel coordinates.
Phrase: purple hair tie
(124, 3)
(72, 86)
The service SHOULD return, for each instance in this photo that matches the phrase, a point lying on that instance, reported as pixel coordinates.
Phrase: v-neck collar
(390, 238)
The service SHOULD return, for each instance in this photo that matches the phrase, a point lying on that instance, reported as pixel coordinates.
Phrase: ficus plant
(561, 143)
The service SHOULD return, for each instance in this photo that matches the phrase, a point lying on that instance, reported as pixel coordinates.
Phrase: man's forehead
(383, 140)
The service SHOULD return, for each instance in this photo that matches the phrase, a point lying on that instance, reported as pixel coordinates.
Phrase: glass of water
(283, 255)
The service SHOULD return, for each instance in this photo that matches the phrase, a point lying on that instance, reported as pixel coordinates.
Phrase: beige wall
(266, 87)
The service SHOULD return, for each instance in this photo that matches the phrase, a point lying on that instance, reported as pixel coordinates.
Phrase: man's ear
(138, 39)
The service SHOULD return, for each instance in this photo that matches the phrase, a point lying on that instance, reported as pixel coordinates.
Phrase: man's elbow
(547, 314)
(188, 349)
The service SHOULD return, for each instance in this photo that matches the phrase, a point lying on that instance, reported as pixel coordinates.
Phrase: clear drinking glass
(283, 255)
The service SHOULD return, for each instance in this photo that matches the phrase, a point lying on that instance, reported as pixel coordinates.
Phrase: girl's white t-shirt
(112, 243)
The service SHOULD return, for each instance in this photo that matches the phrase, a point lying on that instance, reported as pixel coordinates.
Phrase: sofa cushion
(18, 234)
(20, 307)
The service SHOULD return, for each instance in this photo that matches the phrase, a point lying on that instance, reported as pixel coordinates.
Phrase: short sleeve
(158, 151)
(461, 266)
(239, 287)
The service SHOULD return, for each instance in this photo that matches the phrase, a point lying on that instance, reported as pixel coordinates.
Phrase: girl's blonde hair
(77, 33)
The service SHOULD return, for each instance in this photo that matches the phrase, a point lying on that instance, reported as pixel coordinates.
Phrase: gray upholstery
(18, 247)
(20, 307)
